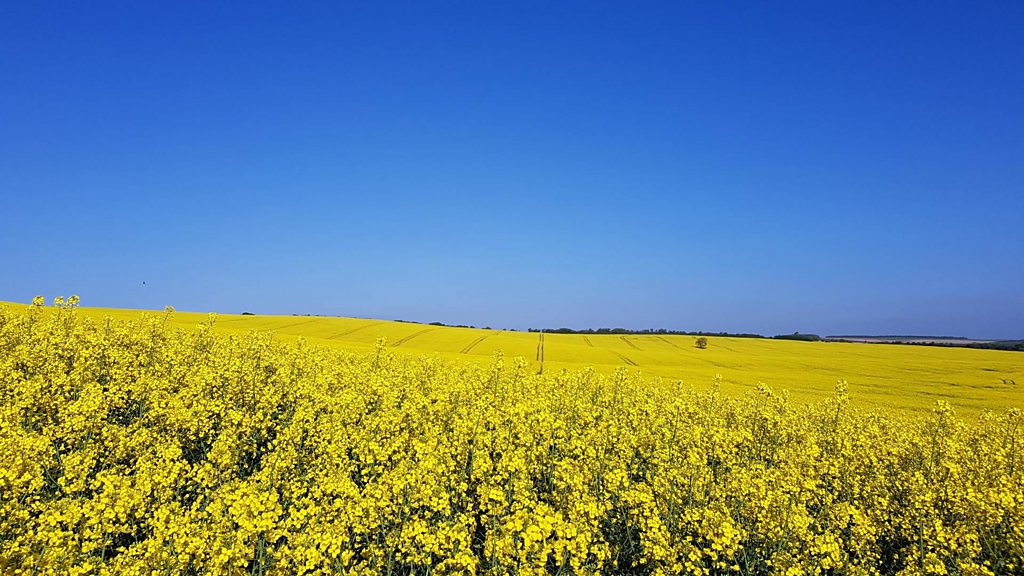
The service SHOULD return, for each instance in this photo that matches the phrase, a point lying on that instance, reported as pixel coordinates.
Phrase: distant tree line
(895, 337)
(659, 331)
(454, 325)
(664, 331)
(1013, 345)
(799, 336)
(1010, 345)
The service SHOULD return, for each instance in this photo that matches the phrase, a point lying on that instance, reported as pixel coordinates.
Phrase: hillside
(903, 377)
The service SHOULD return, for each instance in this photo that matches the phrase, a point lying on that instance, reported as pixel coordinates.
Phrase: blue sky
(813, 167)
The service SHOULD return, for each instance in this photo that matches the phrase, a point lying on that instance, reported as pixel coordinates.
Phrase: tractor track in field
(293, 324)
(587, 340)
(540, 353)
(473, 344)
(352, 330)
(413, 335)
(625, 359)
(630, 344)
(668, 341)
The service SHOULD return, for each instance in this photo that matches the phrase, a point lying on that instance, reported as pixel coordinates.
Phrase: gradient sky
(721, 166)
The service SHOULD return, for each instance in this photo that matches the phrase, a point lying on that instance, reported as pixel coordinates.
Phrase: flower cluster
(135, 448)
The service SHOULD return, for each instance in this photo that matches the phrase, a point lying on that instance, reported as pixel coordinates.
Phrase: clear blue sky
(824, 168)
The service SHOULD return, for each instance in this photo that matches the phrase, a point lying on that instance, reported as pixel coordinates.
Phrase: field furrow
(354, 330)
(626, 359)
(473, 344)
(629, 343)
(413, 335)
(667, 341)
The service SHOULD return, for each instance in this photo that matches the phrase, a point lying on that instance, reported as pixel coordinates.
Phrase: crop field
(174, 445)
(906, 378)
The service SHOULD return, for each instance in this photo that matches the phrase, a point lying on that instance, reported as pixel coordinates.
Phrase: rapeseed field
(909, 379)
(144, 447)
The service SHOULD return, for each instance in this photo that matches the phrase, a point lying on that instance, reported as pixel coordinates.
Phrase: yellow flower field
(163, 445)
(905, 378)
